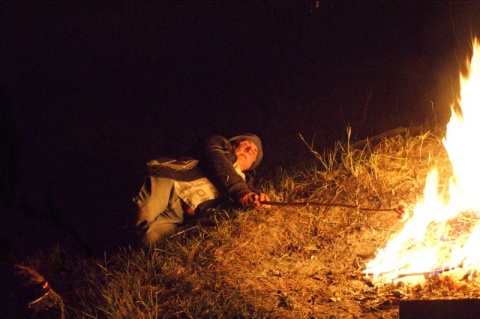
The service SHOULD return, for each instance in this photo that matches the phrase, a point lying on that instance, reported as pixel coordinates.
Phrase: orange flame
(443, 232)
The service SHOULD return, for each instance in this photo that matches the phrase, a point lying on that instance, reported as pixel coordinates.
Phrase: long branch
(398, 210)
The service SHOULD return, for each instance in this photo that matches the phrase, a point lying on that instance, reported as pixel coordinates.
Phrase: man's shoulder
(211, 143)
(216, 139)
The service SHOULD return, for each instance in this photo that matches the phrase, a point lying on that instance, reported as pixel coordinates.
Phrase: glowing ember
(443, 230)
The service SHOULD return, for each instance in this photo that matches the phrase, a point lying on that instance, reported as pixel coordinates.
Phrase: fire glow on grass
(443, 231)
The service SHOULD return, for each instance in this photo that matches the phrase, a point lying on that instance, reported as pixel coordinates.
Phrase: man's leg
(159, 209)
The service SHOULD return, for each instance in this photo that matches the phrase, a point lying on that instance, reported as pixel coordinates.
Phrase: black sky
(96, 88)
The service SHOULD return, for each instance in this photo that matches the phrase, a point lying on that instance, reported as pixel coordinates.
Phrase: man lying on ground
(215, 173)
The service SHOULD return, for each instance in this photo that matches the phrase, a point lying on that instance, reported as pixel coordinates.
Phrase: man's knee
(155, 233)
(153, 199)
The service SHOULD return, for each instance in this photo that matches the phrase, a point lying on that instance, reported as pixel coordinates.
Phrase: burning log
(426, 274)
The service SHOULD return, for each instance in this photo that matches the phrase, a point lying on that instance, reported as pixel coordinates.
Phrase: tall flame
(443, 232)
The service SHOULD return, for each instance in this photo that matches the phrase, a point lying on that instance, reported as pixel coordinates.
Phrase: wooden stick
(398, 210)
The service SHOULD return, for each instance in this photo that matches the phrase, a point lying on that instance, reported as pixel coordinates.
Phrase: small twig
(366, 108)
(183, 231)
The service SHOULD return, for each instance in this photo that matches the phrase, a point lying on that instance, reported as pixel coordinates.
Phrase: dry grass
(289, 262)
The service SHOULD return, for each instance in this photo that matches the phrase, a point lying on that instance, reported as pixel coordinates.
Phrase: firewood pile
(26, 294)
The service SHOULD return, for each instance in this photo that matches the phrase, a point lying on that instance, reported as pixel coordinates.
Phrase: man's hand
(252, 200)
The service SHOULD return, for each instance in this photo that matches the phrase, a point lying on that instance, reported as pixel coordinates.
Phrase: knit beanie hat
(255, 140)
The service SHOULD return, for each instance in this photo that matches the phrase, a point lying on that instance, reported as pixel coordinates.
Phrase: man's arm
(216, 158)
(253, 200)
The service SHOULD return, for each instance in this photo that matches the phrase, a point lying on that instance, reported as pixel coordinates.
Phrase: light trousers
(160, 210)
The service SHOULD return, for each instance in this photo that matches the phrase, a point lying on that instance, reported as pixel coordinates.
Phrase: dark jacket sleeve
(216, 158)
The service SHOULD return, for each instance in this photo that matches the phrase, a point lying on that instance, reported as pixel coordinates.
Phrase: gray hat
(255, 140)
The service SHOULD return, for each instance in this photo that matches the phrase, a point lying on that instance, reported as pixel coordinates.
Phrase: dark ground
(91, 90)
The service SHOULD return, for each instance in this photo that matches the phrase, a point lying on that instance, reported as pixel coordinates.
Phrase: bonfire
(442, 230)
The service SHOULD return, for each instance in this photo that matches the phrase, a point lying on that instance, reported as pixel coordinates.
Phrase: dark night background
(91, 90)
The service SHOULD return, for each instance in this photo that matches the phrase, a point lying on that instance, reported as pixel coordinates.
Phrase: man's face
(246, 152)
